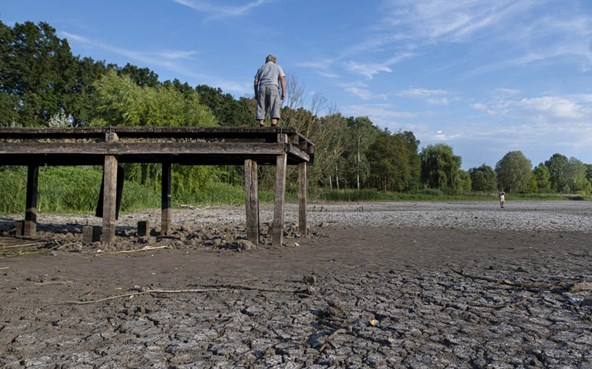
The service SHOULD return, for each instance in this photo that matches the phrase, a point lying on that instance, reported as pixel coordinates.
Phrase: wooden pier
(110, 146)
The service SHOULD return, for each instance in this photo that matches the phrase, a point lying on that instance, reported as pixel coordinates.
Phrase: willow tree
(440, 168)
(120, 101)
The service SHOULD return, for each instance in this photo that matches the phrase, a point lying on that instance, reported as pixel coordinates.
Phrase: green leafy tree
(513, 172)
(483, 179)
(464, 182)
(576, 176)
(361, 133)
(142, 77)
(413, 159)
(228, 111)
(35, 73)
(328, 133)
(541, 178)
(120, 101)
(390, 166)
(440, 168)
(557, 166)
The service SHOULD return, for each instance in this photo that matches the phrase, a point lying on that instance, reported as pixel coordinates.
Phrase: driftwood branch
(133, 294)
(212, 288)
(145, 248)
(330, 337)
(520, 285)
(21, 245)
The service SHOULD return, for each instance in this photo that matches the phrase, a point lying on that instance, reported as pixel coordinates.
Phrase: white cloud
(364, 93)
(558, 109)
(368, 70)
(450, 21)
(436, 97)
(169, 59)
(382, 115)
(555, 107)
(218, 10)
(76, 38)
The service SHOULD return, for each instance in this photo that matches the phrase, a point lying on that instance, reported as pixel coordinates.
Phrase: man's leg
(261, 106)
(276, 107)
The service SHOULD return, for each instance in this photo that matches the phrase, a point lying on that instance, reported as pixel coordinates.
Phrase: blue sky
(483, 76)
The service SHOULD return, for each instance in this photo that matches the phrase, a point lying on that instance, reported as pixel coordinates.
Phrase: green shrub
(430, 192)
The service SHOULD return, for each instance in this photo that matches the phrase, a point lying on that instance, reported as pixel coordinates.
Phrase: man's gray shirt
(269, 74)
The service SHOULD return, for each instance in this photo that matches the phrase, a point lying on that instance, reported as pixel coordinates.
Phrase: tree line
(42, 84)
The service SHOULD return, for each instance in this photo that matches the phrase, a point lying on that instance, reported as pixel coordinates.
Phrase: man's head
(270, 58)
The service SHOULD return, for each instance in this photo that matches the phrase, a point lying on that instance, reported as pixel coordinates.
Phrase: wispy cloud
(436, 97)
(162, 57)
(525, 32)
(364, 93)
(384, 115)
(369, 70)
(217, 10)
(171, 60)
(557, 109)
(450, 21)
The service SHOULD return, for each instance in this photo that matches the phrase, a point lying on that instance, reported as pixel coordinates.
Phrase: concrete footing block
(143, 228)
(91, 234)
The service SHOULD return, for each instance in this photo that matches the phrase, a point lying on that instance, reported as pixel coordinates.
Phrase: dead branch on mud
(145, 248)
(2, 247)
(330, 337)
(573, 287)
(131, 295)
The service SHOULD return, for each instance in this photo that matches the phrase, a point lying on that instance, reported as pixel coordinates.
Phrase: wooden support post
(277, 228)
(165, 228)
(252, 201)
(30, 225)
(302, 201)
(109, 193)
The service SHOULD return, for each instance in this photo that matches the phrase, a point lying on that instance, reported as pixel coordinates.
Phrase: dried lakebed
(378, 285)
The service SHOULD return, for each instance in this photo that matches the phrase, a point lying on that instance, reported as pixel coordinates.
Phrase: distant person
(268, 80)
(502, 198)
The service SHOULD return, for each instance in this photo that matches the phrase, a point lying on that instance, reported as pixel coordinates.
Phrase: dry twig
(214, 288)
(132, 294)
(331, 336)
(146, 248)
(521, 285)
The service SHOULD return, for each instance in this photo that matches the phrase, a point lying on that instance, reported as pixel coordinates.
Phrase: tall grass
(425, 195)
(68, 190)
(76, 189)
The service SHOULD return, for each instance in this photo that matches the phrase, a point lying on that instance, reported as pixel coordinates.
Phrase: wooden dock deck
(110, 146)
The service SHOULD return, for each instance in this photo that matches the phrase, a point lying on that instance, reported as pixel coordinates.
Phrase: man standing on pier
(267, 84)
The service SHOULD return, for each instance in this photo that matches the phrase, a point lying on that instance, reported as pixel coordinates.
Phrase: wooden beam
(142, 148)
(252, 201)
(166, 199)
(30, 225)
(109, 194)
(277, 228)
(302, 200)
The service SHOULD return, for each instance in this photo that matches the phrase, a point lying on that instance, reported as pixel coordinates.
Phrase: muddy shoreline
(375, 287)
